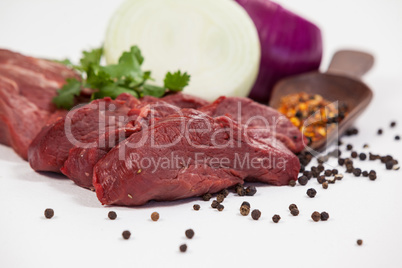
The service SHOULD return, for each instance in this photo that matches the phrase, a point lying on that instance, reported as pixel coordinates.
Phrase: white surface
(214, 41)
(80, 235)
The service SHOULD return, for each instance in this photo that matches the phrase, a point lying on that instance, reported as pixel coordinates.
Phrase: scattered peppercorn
(325, 185)
(338, 177)
(294, 211)
(359, 242)
(292, 183)
(244, 210)
(341, 161)
(256, 214)
(276, 218)
(372, 177)
(302, 180)
(334, 171)
(196, 207)
(353, 154)
(220, 207)
(328, 172)
(357, 172)
(49, 213)
(183, 248)
(126, 234)
(365, 173)
(389, 164)
(362, 156)
(311, 192)
(365, 146)
(214, 204)
(240, 190)
(316, 216)
(324, 216)
(225, 192)
(397, 138)
(245, 203)
(292, 206)
(189, 233)
(379, 132)
(321, 179)
(155, 216)
(250, 190)
(220, 198)
(349, 147)
(320, 168)
(112, 215)
(331, 180)
(206, 197)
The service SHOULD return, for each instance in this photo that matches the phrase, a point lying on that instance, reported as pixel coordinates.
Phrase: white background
(80, 235)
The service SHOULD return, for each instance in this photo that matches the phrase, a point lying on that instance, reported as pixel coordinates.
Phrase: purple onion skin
(290, 45)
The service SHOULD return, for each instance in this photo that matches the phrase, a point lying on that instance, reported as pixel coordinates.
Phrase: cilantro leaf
(155, 91)
(112, 91)
(65, 97)
(176, 81)
(89, 58)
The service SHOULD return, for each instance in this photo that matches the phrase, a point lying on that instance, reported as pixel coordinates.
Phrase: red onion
(289, 45)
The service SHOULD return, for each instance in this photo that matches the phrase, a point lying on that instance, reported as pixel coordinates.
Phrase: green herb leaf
(65, 97)
(176, 81)
(155, 91)
(90, 58)
(112, 91)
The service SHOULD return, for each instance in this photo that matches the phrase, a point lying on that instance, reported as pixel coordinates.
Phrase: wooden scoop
(340, 83)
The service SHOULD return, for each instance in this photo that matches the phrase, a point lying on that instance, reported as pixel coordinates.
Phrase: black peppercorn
(365, 146)
(245, 203)
(321, 179)
(220, 198)
(214, 204)
(320, 168)
(49, 213)
(256, 214)
(292, 206)
(189, 233)
(389, 164)
(155, 216)
(276, 218)
(349, 147)
(324, 216)
(250, 190)
(341, 161)
(183, 248)
(362, 156)
(240, 190)
(316, 216)
(302, 180)
(334, 171)
(311, 192)
(292, 183)
(393, 123)
(196, 207)
(328, 172)
(365, 173)
(220, 207)
(225, 192)
(397, 138)
(359, 242)
(353, 154)
(379, 132)
(112, 215)
(325, 185)
(294, 211)
(357, 172)
(206, 197)
(126, 234)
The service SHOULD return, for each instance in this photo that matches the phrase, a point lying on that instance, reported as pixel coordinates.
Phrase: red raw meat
(262, 122)
(27, 87)
(201, 154)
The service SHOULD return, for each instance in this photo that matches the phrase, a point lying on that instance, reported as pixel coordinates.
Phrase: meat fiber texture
(73, 144)
(178, 99)
(262, 122)
(188, 154)
(27, 87)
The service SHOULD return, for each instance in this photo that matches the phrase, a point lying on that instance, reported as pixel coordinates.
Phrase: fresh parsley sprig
(112, 80)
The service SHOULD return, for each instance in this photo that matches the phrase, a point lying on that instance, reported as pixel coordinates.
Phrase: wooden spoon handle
(351, 63)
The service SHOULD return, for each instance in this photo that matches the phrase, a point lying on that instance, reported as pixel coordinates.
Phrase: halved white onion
(215, 41)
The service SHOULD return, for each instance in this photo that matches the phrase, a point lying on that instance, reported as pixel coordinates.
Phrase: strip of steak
(262, 121)
(187, 154)
(83, 127)
(178, 99)
(27, 87)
